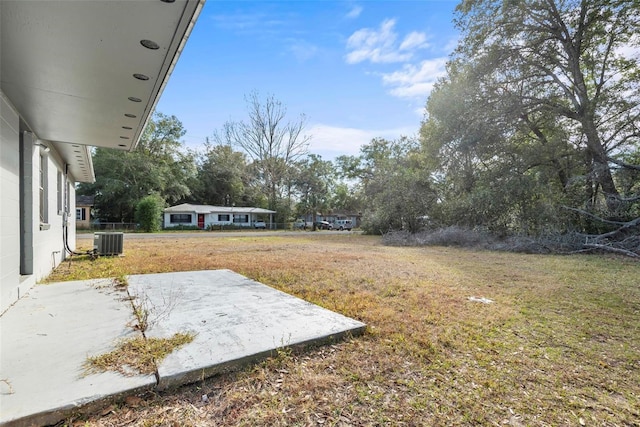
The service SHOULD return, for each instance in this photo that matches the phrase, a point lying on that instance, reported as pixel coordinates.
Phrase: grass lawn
(559, 344)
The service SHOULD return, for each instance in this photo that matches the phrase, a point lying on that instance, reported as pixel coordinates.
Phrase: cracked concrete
(48, 335)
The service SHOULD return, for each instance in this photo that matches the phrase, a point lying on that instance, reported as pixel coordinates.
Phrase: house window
(223, 217)
(180, 218)
(44, 196)
(241, 218)
(81, 214)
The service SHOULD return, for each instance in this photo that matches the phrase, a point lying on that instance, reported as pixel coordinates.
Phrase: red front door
(200, 220)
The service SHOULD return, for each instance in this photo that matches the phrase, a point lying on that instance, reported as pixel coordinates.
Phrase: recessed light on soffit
(149, 44)
(127, 127)
(140, 76)
(132, 116)
(124, 137)
(122, 145)
(134, 99)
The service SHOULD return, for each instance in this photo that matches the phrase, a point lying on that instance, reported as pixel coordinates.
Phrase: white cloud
(332, 141)
(354, 12)
(303, 50)
(380, 45)
(248, 22)
(414, 81)
(416, 76)
(414, 40)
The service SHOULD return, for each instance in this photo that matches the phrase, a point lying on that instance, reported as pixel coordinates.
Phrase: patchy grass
(560, 344)
(137, 355)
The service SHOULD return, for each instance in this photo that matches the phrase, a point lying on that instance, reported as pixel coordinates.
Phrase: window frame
(180, 218)
(241, 219)
(81, 214)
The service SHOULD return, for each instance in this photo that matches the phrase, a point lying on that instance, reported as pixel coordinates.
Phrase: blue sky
(356, 69)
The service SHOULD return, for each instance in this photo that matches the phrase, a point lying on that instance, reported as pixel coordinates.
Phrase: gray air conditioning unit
(108, 243)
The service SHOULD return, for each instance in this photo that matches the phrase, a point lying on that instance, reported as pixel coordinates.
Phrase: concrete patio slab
(47, 336)
(236, 321)
(46, 339)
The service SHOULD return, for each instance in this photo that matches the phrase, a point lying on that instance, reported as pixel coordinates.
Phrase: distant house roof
(204, 209)
(85, 200)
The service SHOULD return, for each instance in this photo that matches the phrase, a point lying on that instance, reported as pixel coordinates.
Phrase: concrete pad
(47, 336)
(236, 321)
(46, 339)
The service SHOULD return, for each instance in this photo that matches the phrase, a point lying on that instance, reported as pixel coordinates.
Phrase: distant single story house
(355, 218)
(72, 75)
(204, 216)
(84, 204)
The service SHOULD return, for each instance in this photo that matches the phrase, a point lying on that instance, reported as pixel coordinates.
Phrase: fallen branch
(596, 217)
(612, 249)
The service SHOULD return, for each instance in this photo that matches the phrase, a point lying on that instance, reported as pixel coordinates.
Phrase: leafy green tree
(347, 198)
(533, 128)
(222, 177)
(314, 182)
(488, 172)
(564, 61)
(148, 212)
(158, 165)
(348, 194)
(397, 191)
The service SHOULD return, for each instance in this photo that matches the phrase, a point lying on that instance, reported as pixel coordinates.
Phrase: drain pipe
(65, 237)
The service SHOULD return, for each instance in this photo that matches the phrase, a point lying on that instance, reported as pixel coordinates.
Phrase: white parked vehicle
(343, 224)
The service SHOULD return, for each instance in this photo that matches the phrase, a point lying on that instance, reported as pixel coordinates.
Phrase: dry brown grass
(560, 345)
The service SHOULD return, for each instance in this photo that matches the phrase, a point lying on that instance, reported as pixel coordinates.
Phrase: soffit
(68, 66)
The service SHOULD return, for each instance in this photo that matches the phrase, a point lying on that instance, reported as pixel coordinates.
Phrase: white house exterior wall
(210, 219)
(71, 86)
(214, 219)
(10, 212)
(47, 245)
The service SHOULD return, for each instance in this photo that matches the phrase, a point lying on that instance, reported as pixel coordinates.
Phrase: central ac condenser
(108, 243)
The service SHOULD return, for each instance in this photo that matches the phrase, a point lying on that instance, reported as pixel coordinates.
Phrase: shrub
(182, 227)
(558, 243)
(148, 211)
(449, 236)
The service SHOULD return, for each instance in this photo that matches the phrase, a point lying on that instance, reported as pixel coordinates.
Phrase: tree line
(534, 131)
(263, 162)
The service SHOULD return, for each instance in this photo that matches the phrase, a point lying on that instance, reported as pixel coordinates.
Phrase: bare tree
(271, 141)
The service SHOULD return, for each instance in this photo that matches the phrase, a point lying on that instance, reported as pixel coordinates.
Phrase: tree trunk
(600, 165)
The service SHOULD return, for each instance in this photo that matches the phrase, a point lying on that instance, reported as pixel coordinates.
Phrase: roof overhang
(208, 209)
(78, 72)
